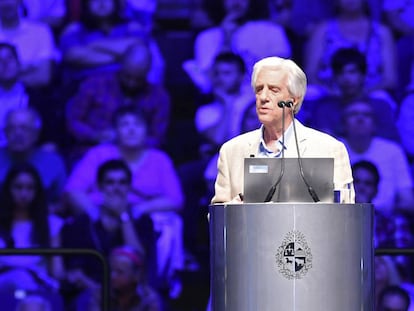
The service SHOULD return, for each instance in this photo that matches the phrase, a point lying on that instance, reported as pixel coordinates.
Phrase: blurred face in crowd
(23, 189)
(21, 130)
(101, 8)
(270, 88)
(350, 80)
(359, 120)
(115, 183)
(131, 131)
(227, 77)
(365, 185)
(9, 66)
(124, 275)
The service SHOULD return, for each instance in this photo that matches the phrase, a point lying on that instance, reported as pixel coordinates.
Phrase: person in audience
(34, 42)
(219, 120)
(155, 191)
(235, 32)
(22, 129)
(25, 222)
(352, 25)
(89, 113)
(114, 226)
(366, 181)
(386, 274)
(95, 43)
(395, 189)
(349, 69)
(394, 298)
(12, 91)
(130, 288)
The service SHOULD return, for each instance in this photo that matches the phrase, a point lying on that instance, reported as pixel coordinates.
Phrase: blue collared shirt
(264, 151)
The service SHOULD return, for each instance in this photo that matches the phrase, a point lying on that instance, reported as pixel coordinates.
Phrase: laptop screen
(260, 174)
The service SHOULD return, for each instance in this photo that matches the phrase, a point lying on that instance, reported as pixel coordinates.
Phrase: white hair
(296, 78)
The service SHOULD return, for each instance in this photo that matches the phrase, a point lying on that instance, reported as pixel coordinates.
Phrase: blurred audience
(95, 43)
(130, 288)
(219, 119)
(349, 68)
(395, 189)
(89, 113)
(240, 32)
(351, 26)
(405, 126)
(113, 226)
(34, 42)
(25, 222)
(156, 188)
(22, 128)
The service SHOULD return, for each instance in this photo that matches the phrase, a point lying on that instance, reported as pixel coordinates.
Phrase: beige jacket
(312, 144)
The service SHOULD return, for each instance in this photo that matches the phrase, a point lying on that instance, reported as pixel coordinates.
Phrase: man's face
(365, 185)
(350, 81)
(131, 131)
(21, 131)
(9, 66)
(227, 77)
(115, 183)
(270, 88)
(359, 119)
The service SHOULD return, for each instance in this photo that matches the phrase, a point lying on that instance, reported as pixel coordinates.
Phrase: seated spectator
(25, 222)
(103, 33)
(352, 26)
(395, 189)
(130, 288)
(239, 32)
(349, 72)
(114, 226)
(89, 113)
(155, 191)
(366, 181)
(393, 298)
(34, 42)
(219, 120)
(22, 129)
(12, 91)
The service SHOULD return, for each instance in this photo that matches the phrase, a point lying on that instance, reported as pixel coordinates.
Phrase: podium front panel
(277, 256)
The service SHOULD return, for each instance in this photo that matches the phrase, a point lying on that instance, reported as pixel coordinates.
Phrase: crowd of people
(90, 125)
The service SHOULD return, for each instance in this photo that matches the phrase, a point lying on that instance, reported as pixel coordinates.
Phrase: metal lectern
(291, 256)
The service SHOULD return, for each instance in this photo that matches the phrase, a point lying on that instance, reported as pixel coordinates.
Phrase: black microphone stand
(272, 190)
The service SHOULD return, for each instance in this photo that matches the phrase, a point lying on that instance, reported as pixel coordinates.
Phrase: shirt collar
(265, 152)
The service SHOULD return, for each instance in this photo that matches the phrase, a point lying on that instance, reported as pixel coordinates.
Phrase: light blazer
(312, 144)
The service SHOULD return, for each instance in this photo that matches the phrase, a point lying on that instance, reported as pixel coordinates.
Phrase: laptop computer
(260, 174)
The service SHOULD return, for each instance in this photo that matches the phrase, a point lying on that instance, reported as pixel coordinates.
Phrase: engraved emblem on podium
(294, 257)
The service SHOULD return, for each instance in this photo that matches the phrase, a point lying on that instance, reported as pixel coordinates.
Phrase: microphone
(311, 191)
(272, 190)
